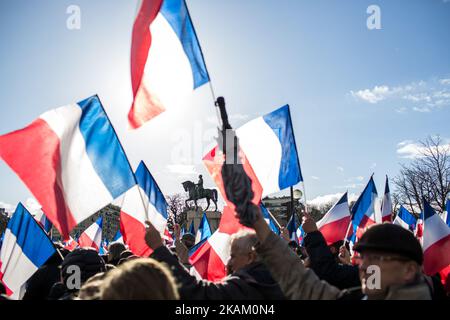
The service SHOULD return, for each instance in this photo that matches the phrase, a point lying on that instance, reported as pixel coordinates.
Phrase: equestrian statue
(196, 192)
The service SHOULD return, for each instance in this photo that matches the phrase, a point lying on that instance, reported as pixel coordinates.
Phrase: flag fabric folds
(25, 248)
(71, 160)
(118, 237)
(386, 204)
(291, 227)
(268, 218)
(42, 219)
(92, 236)
(144, 201)
(405, 219)
(436, 241)
(166, 59)
(363, 211)
(336, 221)
(70, 244)
(204, 229)
(210, 259)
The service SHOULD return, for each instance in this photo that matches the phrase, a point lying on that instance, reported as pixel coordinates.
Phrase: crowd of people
(262, 265)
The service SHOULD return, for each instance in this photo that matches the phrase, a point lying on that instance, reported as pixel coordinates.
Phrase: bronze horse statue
(208, 194)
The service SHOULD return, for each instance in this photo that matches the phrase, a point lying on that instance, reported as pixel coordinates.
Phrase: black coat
(326, 267)
(254, 282)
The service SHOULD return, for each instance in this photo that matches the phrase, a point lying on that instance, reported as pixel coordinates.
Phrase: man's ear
(411, 269)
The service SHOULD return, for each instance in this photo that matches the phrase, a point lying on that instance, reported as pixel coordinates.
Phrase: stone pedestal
(196, 216)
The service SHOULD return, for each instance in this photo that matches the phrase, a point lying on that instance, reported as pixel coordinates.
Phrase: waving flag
(92, 236)
(25, 248)
(71, 160)
(335, 222)
(166, 59)
(446, 217)
(70, 244)
(210, 259)
(191, 228)
(405, 219)
(386, 204)
(418, 232)
(103, 247)
(43, 221)
(204, 230)
(300, 234)
(269, 155)
(292, 226)
(268, 218)
(142, 202)
(118, 237)
(436, 241)
(363, 211)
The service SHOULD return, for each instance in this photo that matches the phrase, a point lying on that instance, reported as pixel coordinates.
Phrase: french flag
(446, 215)
(269, 154)
(268, 218)
(363, 211)
(92, 236)
(292, 228)
(386, 204)
(210, 259)
(436, 241)
(166, 60)
(300, 234)
(405, 219)
(42, 219)
(71, 160)
(269, 145)
(336, 221)
(71, 244)
(418, 232)
(145, 201)
(118, 237)
(203, 233)
(26, 247)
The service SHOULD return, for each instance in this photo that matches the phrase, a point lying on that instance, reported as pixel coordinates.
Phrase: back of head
(114, 251)
(86, 260)
(139, 279)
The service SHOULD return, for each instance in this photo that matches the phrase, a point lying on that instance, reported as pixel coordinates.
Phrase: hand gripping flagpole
(237, 184)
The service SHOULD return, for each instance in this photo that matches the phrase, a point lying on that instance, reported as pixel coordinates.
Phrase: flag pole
(273, 218)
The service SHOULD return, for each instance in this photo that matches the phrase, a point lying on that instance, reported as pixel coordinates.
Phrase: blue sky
(360, 99)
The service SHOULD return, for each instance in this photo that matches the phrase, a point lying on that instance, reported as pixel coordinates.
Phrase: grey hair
(246, 240)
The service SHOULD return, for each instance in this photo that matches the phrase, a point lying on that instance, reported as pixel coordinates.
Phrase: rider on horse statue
(200, 186)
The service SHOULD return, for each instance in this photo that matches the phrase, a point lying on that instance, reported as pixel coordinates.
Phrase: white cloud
(373, 165)
(421, 109)
(350, 186)
(340, 169)
(421, 96)
(330, 198)
(355, 179)
(411, 150)
(33, 206)
(236, 117)
(378, 93)
(315, 178)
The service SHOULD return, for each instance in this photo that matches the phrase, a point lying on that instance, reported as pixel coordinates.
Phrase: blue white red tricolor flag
(204, 230)
(166, 59)
(363, 211)
(292, 227)
(118, 237)
(405, 219)
(336, 221)
(70, 244)
(269, 219)
(446, 216)
(71, 160)
(436, 241)
(268, 154)
(210, 259)
(42, 219)
(92, 236)
(145, 201)
(25, 248)
(386, 204)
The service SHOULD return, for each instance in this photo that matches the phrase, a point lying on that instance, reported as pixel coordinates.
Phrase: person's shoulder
(354, 293)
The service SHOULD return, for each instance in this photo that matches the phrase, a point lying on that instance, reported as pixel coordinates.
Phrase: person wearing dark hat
(87, 261)
(389, 266)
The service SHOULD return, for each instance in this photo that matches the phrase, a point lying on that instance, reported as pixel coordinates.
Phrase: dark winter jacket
(325, 266)
(254, 282)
